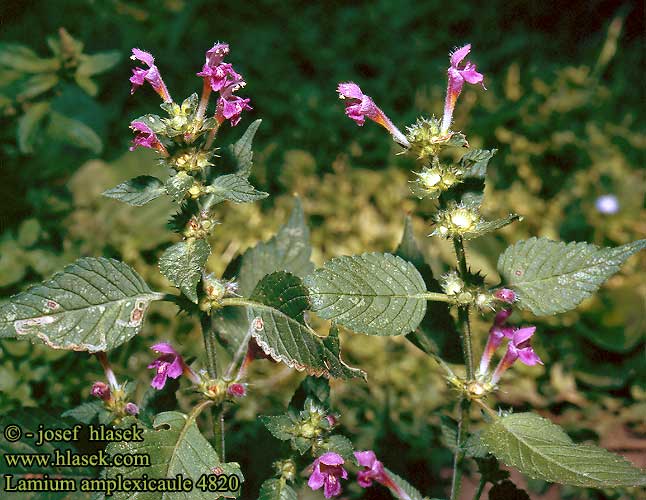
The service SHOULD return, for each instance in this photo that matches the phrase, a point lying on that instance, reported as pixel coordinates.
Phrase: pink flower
(237, 390)
(100, 390)
(457, 77)
(375, 471)
(150, 75)
(145, 137)
(327, 470)
(169, 364)
(229, 106)
(506, 295)
(358, 106)
(218, 73)
(132, 409)
(518, 347)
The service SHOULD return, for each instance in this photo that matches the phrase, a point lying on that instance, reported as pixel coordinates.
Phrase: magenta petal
(523, 334)
(159, 381)
(459, 54)
(502, 316)
(317, 479)
(350, 90)
(331, 458)
(164, 347)
(365, 458)
(332, 487)
(364, 478)
(470, 74)
(176, 368)
(143, 56)
(528, 357)
(216, 54)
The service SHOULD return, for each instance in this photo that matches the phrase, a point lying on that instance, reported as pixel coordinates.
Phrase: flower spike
(457, 77)
(358, 106)
(150, 75)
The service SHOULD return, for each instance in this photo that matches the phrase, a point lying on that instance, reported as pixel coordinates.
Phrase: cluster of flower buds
(286, 469)
(518, 347)
(432, 181)
(456, 220)
(215, 290)
(200, 226)
(461, 293)
(114, 395)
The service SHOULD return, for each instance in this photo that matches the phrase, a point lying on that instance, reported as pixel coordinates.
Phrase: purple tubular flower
(169, 364)
(457, 77)
(145, 137)
(327, 470)
(358, 106)
(219, 76)
(518, 348)
(374, 471)
(230, 107)
(100, 390)
(506, 295)
(150, 75)
(132, 409)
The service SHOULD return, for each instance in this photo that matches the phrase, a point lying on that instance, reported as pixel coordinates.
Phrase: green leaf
(183, 263)
(276, 314)
(85, 412)
(24, 59)
(542, 450)
(178, 184)
(75, 132)
(551, 277)
(98, 63)
(36, 85)
(28, 126)
(436, 333)
(277, 489)
(87, 84)
(412, 492)
(449, 429)
(281, 426)
(289, 250)
(241, 150)
(317, 389)
(475, 162)
(236, 188)
(175, 446)
(487, 226)
(339, 444)
(137, 191)
(29, 233)
(95, 304)
(372, 293)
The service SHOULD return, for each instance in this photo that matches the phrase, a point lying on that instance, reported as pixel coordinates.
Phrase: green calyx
(425, 138)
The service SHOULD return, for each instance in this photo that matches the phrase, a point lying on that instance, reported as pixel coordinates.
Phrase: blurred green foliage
(562, 107)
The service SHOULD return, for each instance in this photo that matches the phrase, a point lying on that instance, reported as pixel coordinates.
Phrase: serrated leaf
(183, 263)
(372, 293)
(449, 430)
(277, 489)
(289, 250)
(75, 132)
(487, 226)
(177, 185)
(404, 485)
(175, 446)
(276, 313)
(474, 447)
(137, 191)
(475, 162)
(339, 444)
(436, 333)
(241, 150)
(28, 125)
(234, 187)
(95, 304)
(85, 412)
(281, 426)
(542, 450)
(551, 277)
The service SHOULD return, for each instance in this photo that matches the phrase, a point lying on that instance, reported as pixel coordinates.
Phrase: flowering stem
(211, 137)
(458, 455)
(218, 430)
(210, 345)
(204, 101)
(463, 311)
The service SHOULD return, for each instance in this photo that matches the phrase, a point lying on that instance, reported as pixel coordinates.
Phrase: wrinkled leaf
(475, 162)
(551, 277)
(241, 150)
(175, 446)
(372, 293)
(95, 304)
(137, 191)
(542, 450)
(487, 226)
(236, 188)
(340, 445)
(183, 263)
(277, 489)
(177, 185)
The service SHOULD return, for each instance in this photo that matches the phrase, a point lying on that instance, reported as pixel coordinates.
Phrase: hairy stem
(436, 297)
(458, 455)
(463, 311)
(218, 431)
(210, 345)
